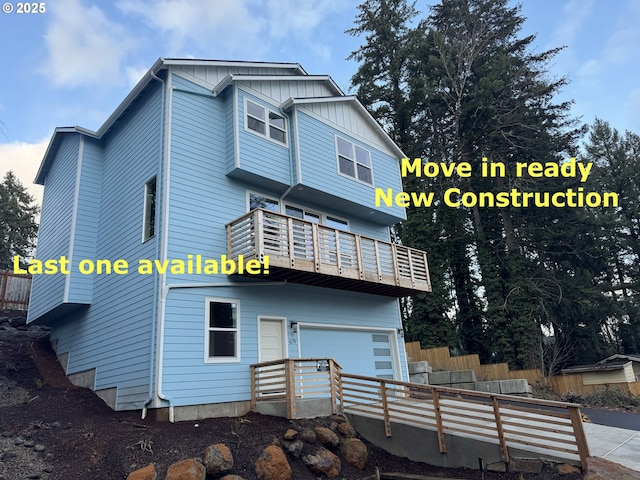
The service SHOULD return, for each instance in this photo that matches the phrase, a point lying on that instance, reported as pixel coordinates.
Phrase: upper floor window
(149, 217)
(354, 161)
(260, 201)
(265, 122)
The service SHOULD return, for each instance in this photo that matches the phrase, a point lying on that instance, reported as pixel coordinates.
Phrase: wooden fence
(441, 359)
(549, 428)
(14, 290)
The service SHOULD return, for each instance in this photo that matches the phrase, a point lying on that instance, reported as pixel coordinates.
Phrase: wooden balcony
(304, 252)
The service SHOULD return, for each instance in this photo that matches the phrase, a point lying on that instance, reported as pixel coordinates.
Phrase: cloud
(83, 46)
(235, 28)
(24, 160)
(135, 74)
(227, 25)
(575, 14)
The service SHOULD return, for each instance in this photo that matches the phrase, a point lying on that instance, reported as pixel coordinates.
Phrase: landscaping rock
(290, 434)
(232, 477)
(355, 453)
(327, 437)
(190, 469)
(294, 447)
(273, 464)
(601, 469)
(308, 436)
(567, 469)
(217, 459)
(323, 462)
(147, 473)
(346, 430)
(526, 465)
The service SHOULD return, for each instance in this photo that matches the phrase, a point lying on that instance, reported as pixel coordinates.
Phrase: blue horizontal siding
(114, 335)
(54, 233)
(319, 167)
(260, 156)
(188, 380)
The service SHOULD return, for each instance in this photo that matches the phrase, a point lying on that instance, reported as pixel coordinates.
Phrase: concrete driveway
(614, 444)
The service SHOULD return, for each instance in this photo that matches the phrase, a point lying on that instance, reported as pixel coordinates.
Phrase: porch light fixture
(401, 332)
(294, 326)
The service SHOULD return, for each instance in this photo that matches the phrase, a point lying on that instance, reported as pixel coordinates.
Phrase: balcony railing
(305, 252)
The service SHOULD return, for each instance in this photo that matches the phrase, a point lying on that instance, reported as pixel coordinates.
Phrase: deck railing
(550, 428)
(291, 379)
(296, 244)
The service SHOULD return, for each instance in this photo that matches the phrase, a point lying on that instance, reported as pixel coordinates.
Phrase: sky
(72, 62)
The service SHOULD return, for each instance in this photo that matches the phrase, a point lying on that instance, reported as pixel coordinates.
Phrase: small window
(354, 161)
(260, 201)
(265, 122)
(222, 330)
(336, 223)
(149, 220)
(302, 213)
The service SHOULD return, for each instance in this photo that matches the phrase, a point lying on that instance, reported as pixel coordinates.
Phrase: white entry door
(272, 343)
(272, 347)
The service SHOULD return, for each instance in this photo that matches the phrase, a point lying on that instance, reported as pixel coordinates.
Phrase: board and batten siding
(114, 335)
(54, 233)
(189, 380)
(319, 166)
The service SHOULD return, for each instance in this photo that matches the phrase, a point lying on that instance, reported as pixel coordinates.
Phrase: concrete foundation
(109, 396)
(86, 379)
(305, 408)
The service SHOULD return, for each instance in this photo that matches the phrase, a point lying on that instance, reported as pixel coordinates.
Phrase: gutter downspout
(292, 157)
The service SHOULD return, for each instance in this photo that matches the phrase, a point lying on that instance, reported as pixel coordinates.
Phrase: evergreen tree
(18, 227)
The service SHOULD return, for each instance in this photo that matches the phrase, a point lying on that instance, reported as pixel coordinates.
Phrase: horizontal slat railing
(550, 428)
(291, 379)
(302, 245)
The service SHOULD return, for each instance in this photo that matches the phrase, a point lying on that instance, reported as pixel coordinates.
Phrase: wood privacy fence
(441, 359)
(550, 428)
(14, 290)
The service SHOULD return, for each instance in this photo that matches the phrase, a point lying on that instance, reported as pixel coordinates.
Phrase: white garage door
(360, 352)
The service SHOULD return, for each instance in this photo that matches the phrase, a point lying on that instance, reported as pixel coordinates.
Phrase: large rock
(217, 459)
(290, 434)
(232, 477)
(294, 447)
(323, 462)
(273, 465)
(346, 430)
(355, 452)
(327, 437)
(190, 469)
(308, 436)
(147, 473)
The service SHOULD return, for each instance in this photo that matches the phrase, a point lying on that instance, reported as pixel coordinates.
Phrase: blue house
(223, 215)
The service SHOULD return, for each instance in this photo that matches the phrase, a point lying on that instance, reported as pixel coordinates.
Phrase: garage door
(360, 352)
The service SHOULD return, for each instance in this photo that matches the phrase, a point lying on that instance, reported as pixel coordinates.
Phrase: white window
(260, 201)
(354, 161)
(264, 122)
(302, 213)
(222, 342)
(149, 215)
(337, 223)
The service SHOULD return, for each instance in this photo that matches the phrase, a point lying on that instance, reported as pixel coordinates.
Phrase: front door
(272, 344)
(272, 347)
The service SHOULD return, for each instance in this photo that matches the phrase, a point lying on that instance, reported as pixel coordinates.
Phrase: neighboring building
(218, 158)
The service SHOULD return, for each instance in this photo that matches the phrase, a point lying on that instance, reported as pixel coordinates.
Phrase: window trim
(149, 210)
(208, 329)
(267, 123)
(268, 197)
(354, 159)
